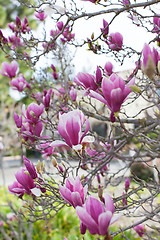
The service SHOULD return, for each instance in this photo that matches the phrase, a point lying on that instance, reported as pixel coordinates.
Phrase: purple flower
(108, 68)
(15, 42)
(105, 29)
(19, 83)
(30, 167)
(33, 112)
(47, 98)
(60, 25)
(25, 180)
(127, 184)
(139, 229)
(115, 41)
(150, 60)
(74, 193)
(40, 15)
(96, 216)
(73, 94)
(70, 128)
(18, 120)
(156, 21)
(126, 2)
(114, 93)
(17, 189)
(87, 81)
(9, 70)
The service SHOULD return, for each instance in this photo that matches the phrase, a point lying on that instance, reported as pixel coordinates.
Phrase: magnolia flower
(156, 21)
(105, 29)
(33, 112)
(40, 15)
(74, 193)
(9, 70)
(70, 128)
(73, 94)
(127, 184)
(96, 216)
(30, 168)
(87, 81)
(114, 93)
(108, 68)
(19, 83)
(17, 189)
(115, 41)
(139, 229)
(150, 60)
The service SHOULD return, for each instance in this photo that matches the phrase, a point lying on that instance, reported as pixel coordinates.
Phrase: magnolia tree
(101, 177)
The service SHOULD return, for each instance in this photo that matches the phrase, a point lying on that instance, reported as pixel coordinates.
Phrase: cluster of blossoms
(96, 216)
(17, 28)
(11, 70)
(112, 91)
(26, 181)
(67, 34)
(114, 40)
(29, 123)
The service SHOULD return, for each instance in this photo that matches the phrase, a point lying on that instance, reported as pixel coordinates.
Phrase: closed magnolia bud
(54, 162)
(100, 192)
(39, 167)
(150, 68)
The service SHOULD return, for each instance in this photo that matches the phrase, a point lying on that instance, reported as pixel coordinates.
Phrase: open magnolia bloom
(114, 93)
(71, 127)
(73, 192)
(96, 216)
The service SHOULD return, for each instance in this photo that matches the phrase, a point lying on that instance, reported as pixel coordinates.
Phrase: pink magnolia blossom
(156, 21)
(73, 94)
(18, 120)
(12, 26)
(127, 184)
(15, 42)
(60, 25)
(115, 41)
(17, 189)
(124, 200)
(150, 60)
(148, 53)
(73, 193)
(2, 38)
(114, 93)
(19, 83)
(25, 180)
(30, 167)
(9, 70)
(87, 81)
(105, 29)
(139, 229)
(70, 128)
(108, 68)
(33, 112)
(47, 98)
(40, 15)
(96, 216)
(126, 2)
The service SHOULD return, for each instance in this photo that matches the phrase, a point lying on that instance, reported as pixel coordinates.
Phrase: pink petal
(109, 203)
(87, 220)
(104, 222)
